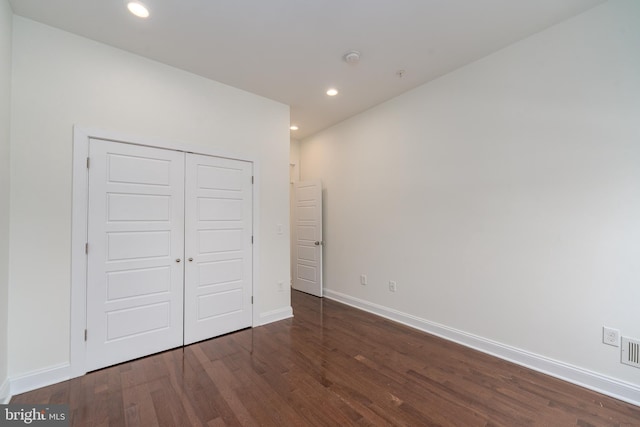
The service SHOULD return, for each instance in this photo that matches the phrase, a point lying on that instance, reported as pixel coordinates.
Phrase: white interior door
(135, 249)
(218, 239)
(308, 237)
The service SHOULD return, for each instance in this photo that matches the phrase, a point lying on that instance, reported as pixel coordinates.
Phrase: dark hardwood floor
(330, 365)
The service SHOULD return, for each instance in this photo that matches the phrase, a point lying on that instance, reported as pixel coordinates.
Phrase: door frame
(79, 224)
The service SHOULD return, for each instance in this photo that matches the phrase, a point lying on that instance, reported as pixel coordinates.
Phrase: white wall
(6, 16)
(294, 160)
(504, 197)
(294, 176)
(60, 80)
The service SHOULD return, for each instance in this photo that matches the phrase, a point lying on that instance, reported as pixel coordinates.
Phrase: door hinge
(88, 162)
(252, 240)
(251, 299)
(252, 179)
(85, 334)
(86, 248)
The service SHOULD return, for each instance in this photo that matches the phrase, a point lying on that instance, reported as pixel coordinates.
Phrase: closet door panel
(135, 237)
(218, 243)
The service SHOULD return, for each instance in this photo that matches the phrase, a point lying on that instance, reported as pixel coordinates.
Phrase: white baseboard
(5, 395)
(275, 315)
(40, 378)
(617, 389)
(58, 373)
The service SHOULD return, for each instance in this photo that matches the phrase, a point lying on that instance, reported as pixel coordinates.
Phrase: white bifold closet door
(169, 250)
(136, 229)
(218, 276)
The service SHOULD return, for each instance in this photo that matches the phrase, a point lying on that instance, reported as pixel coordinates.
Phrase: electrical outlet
(611, 336)
(363, 279)
(393, 286)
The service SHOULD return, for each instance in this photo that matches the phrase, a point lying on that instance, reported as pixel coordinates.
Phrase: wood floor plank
(330, 365)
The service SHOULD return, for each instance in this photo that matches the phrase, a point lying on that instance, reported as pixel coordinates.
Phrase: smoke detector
(352, 57)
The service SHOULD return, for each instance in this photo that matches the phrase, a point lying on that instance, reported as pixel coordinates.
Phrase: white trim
(617, 389)
(276, 315)
(159, 143)
(80, 192)
(40, 378)
(256, 243)
(5, 395)
(80, 183)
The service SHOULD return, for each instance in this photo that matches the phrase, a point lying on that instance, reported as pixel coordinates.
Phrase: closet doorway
(169, 257)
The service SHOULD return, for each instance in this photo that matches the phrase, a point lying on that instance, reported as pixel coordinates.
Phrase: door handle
(177, 259)
(190, 259)
(317, 243)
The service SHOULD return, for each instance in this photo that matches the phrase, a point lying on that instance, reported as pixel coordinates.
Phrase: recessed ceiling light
(332, 92)
(138, 9)
(294, 127)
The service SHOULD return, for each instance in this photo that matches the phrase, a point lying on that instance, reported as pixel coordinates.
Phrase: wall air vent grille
(631, 352)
